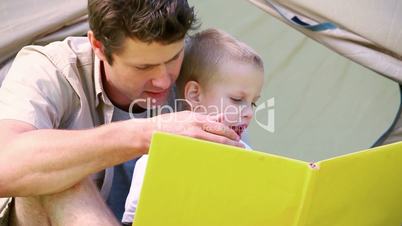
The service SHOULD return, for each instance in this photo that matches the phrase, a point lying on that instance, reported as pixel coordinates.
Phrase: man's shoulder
(70, 61)
(72, 51)
(51, 82)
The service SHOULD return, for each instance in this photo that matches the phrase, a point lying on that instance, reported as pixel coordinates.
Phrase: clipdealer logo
(231, 113)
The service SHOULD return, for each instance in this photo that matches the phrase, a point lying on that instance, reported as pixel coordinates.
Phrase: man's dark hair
(162, 21)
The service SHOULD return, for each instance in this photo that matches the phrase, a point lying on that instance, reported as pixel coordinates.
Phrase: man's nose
(162, 80)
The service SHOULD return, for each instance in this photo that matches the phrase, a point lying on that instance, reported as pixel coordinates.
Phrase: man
(60, 105)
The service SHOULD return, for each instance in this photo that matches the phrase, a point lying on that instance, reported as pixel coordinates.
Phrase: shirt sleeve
(34, 91)
(135, 189)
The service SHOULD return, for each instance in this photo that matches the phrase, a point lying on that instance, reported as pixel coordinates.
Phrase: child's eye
(253, 104)
(235, 99)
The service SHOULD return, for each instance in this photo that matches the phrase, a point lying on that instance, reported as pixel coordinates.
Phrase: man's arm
(34, 162)
(46, 161)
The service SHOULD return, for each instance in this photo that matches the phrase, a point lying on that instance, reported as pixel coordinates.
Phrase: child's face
(234, 92)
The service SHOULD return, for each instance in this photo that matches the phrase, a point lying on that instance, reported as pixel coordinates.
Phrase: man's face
(142, 70)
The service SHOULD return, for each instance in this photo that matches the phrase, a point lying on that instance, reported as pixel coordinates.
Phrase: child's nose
(248, 113)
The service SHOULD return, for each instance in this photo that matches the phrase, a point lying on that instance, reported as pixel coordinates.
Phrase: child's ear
(192, 92)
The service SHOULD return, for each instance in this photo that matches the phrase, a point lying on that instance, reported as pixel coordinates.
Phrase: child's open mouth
(239, 129)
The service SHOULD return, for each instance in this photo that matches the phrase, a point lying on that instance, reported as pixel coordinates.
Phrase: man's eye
(175, 58)
(142, 68)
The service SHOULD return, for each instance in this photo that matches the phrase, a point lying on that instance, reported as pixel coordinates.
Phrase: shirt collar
(99, 91)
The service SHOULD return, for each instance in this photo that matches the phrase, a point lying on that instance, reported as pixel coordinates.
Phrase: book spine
(308, 193)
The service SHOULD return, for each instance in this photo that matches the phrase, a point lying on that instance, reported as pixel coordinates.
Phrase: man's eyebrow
(171, 59)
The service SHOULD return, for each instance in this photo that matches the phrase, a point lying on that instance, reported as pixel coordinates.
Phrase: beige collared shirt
(56, 86)
(59, 86)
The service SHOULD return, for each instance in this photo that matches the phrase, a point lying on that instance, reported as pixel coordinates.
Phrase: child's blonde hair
(206, 50)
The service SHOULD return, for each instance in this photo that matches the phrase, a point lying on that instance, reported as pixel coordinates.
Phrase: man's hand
(196, 125)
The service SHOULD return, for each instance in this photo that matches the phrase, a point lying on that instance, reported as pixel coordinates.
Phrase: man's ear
(192, 92)
(97, 46)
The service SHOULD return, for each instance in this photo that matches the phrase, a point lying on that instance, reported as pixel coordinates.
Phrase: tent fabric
(369, 31)
(324, 103)
(4, 67)
(378, 21)
(24, 21)
(395, 132)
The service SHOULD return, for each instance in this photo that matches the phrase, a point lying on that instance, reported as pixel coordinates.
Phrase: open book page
(362, 188)
(198, 183)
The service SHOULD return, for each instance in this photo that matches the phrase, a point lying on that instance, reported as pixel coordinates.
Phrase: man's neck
(115, 96)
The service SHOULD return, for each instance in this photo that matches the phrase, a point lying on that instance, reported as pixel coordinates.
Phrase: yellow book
(189, 182)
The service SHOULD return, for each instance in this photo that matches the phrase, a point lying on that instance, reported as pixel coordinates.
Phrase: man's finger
(218, 139)
(220, 129)
(216, 118)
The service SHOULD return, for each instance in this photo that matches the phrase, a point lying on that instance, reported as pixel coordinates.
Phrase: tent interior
(323, 103)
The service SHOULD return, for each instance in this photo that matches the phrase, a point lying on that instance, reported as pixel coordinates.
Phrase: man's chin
(159, 103)
(150, 102)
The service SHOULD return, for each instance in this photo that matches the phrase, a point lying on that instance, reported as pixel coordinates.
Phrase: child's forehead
(236, 75)
(230, 69)
(234, 72)
(241, 79)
